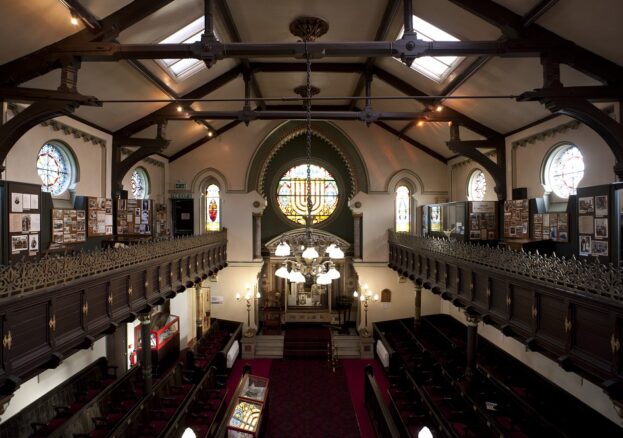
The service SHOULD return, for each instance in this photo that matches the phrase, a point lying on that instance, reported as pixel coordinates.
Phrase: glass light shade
(333, 273)
(375, 297)
(282, 250)
(258, 295)
(355, 294)
(237, 296)
(336, 253)
(247, 296)
(323, 279)
(330, 248)
(297, 277)
(282, 272)
(425, 433)
(310, 253)
(189, 433)
(362, 298)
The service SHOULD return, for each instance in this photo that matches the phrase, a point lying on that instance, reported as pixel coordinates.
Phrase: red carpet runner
(308, 400)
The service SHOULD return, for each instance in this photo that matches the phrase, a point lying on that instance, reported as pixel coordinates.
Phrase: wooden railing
(378, 412)
(72, 301)
(570, 311)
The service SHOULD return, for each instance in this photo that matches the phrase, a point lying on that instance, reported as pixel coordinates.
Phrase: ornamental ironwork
(586, 277)
(28, 276)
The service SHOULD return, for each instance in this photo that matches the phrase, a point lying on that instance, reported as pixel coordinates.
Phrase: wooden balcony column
(472, 343)
(145, 319)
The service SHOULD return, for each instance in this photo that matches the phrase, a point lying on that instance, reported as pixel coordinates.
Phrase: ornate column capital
(472, 319)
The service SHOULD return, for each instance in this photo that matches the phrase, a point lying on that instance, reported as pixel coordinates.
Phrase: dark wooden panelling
(119, 292)
(552, 313)
(68, 315)
(465, 283)
(521, 307)
(481, 284)
(29, 328)
(592, 325)
(97, 307)
(453, 274)
(499, 292)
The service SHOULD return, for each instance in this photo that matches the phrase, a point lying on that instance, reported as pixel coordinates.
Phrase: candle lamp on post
(248, 296)
(365, 297)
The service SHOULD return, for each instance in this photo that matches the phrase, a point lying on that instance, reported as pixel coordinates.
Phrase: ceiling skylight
(436, 68)
(180, 69)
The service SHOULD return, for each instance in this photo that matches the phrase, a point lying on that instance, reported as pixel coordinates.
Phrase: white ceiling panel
(102, 9)
(331, 85)
(269, 21)
(380, 88)
(435, 136)
(38, 23)
(233, 89)
(594, 25)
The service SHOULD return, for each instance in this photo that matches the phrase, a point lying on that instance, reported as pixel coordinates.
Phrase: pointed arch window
(403, 209)
(477, 186)
(213, 208)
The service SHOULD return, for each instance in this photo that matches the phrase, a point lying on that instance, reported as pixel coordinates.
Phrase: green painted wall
(294, 153)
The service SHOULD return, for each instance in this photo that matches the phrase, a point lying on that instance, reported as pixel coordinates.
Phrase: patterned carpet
(308, 400)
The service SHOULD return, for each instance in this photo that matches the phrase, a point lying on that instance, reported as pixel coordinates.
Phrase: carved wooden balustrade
(570, 310)
(51, 307)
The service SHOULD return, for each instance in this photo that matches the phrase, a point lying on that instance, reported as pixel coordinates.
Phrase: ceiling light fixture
(308, 261)
(74, 19)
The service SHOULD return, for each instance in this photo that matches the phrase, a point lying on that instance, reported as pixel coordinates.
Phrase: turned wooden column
(198, 315)
(417, 317)
(257, 236)
(145, 320)
(472, 343)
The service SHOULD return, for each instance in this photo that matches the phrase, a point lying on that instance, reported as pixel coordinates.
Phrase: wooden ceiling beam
(412, 142)
(197, 93)
(381, 34)
(194, 145)
(568, 52)
(81, 12)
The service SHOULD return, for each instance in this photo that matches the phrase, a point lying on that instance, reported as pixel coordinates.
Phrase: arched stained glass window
(564, 170)
(476, 186)
(213, 208)
(403, 207)
(140, 183)
(292, 194)
(55, 168)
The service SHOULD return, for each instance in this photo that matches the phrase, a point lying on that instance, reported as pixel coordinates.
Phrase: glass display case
(245, 418)
(448, 220)
(164, 339)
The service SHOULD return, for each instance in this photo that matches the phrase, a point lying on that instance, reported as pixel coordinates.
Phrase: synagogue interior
(311, 218)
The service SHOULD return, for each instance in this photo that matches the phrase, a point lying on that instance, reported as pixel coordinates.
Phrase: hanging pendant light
(282, 272)
(282, 250)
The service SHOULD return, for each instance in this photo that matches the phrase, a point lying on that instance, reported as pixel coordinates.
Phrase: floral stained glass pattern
(403, 215)
(477, 186)
(292, 194)
(565, 171)
(54, 169)
(213, 213)
(139, 184)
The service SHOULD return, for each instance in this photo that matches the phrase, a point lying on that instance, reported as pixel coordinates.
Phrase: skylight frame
(186, 67)
(427, 65)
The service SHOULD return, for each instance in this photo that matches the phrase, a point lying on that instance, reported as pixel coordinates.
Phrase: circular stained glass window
(292, 194)
(477, 186)
(140, 183)
(54, 167)
(564, 170)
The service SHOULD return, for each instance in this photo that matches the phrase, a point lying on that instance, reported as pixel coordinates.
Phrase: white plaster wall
(378, 277)
(183, 305)
(230, 281)
(598, 159)
(94, 161)
(158, 184)
(34, 388)
(584, 390)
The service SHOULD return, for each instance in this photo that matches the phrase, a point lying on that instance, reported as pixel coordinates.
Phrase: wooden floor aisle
(308, 400)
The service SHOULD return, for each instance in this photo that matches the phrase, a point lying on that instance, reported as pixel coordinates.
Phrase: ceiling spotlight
(210, 134)
(439, 108)
(420, 123)
(179, 108)
(450, 123)
(73, 20)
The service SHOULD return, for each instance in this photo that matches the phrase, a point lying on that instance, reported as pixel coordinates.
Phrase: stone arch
(325, 131)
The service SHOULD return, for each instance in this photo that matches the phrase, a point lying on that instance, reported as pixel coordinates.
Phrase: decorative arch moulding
(56, 126)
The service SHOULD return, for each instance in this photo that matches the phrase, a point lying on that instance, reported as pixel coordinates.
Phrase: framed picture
(585, 245)
(599, 248)
(587, 205)
(601, 228)
(601, 205)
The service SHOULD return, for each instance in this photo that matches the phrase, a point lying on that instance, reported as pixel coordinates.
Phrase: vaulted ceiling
(28, 26)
